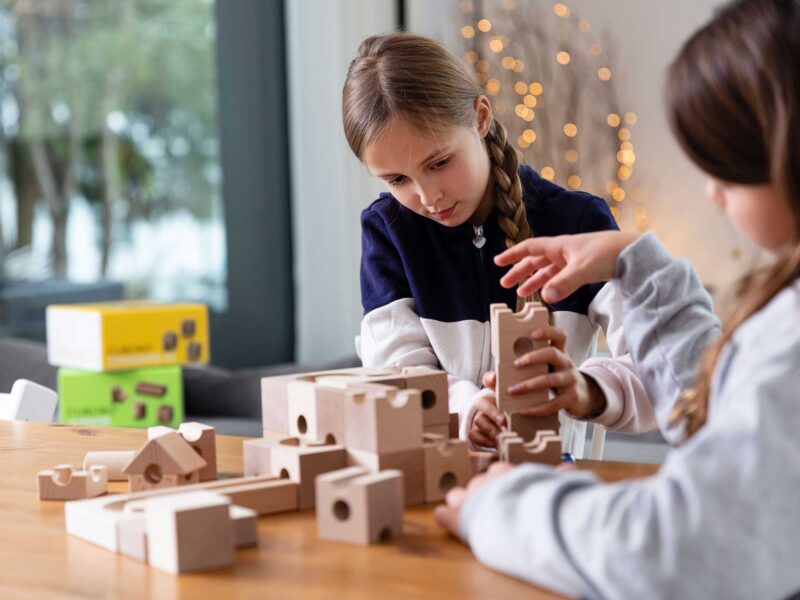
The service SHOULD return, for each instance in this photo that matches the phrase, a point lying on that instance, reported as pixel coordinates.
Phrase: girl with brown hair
(458, 196)
(721, 518)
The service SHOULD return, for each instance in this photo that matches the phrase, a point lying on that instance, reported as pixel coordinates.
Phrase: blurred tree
(115, 101)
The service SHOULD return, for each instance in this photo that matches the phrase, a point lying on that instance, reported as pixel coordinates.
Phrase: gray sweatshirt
(721, 519)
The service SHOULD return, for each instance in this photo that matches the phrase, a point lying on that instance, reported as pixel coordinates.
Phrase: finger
(479, 439)
(486, 426)
(448, 519)
(523, 269)
(543, 410)
(541, 246)
(557, 337)
(549, 355)
(538, 280)
(486, 406)
(490, 379)
(566, 281)
(455, 497)
(557, 380)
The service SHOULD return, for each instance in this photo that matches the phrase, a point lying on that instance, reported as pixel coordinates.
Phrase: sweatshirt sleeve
(391, 330)
(719, 520)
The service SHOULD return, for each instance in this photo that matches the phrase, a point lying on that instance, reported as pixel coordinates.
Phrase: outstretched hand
(560, 265)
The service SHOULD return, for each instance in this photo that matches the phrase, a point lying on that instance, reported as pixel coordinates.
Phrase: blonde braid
(507, 193)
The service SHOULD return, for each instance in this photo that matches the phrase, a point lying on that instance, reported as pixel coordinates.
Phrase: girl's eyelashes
(440, 164)
(399, 180)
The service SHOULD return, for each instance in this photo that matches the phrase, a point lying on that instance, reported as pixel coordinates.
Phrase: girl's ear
(483, 114)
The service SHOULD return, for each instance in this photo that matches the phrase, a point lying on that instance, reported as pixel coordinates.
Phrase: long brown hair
(415, 78)
(733, 97)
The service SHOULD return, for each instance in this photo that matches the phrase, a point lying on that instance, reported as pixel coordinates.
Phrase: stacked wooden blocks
(511, 338)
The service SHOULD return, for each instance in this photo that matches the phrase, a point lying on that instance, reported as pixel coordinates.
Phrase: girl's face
(443, 176)
(757, 211)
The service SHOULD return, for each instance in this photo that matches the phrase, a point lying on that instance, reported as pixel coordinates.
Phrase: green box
(136, 398)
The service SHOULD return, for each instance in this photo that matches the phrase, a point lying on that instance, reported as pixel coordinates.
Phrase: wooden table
(39, 560)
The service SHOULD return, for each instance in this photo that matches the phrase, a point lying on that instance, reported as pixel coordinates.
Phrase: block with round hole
(65, 483)
(382, 419)
(359, 507)
(411, 463)
(164, 461)
(292, 460)
(447, 466)
(203, 439)
(316, 412)
(511, 338)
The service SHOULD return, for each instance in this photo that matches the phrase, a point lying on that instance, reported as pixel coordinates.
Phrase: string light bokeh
(552, 84)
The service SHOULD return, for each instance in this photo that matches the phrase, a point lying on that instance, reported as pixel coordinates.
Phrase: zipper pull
(478, 240)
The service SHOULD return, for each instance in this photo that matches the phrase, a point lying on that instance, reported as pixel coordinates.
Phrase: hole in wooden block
(290, 442)
(385, 535)
(153, 474)
(522, 346)
(330, 439)
(62, 474)
(284, 474)
(428, 399)
(302, 426)
(341, 510)
(447, 482)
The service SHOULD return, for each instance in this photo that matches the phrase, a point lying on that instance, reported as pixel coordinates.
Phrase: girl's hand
(579, 395)
(447, 515)
(560, 265)
(488, 420)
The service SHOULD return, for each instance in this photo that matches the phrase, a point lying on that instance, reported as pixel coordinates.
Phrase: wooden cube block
(64, 483)
(245, 526)
(256, 453)
(189, 532)
(410, 462)
(316, 412)
(511, 338)
(359, 507)
(432, 385)
(203, 439)
(383, 419)
(544, 448)
(438, 430)
(164, 461)
(447, 465)
(301, 464)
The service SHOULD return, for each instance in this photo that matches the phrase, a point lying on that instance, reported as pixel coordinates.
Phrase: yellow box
(114, 336)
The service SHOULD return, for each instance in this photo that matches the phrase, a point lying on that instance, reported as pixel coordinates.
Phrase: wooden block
(360, 507)
(410, 462)
(164, 461)
(316, 412)
(453, 426)
(442, 430)
(447, 465)
(64, 483)
(189, 532)
(133, 539)
(527, 427)
(203, 439)
(245, 526)
(98, 520)
(545, 448)
(382, 419)
(265, 497)
(256, 453)
(301, 464)
(511, 338)
(275, 397)
(432, 384)
(113, 461)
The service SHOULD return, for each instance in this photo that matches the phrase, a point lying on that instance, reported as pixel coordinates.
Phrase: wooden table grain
(39, 560)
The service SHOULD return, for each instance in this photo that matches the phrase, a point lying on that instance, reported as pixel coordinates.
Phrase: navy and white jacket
(426, 290)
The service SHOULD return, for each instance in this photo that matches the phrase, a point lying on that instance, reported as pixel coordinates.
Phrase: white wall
(648, 36)
(329, 186)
